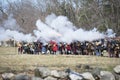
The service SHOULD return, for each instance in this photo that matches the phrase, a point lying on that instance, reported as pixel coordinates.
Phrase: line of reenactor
(111, 47)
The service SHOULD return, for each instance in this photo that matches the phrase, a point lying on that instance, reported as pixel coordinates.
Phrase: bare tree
(86, 14)
(3, 14)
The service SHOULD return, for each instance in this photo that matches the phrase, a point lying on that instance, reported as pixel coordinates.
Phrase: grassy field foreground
(11, 61)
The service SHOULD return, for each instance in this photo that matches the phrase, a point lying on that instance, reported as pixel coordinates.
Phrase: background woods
(86, 14)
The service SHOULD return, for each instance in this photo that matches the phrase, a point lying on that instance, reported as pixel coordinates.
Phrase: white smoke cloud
(45, 32)
(110, 33)
(49, 19)
(60, 23)
(62, 29)
(18, 36)
(11, 24)
(57, 28)
(10, 30)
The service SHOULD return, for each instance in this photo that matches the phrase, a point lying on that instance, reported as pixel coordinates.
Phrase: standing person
(90, 48)
(31, 49)
(50, 48)
(36, 48)
(20, 48)
(26, 48)
(110, 49)
(39, 47)
(54, 48)
(68, 48)
(44, 50)
(60, 48)
(98, 48)
(63, 48)
(85, 51)
(117, 50)
(73, 48)
(78, 48)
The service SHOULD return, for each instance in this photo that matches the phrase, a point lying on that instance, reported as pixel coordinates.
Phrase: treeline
(86, 14)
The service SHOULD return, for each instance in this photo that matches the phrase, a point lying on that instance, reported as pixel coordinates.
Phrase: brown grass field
(10, 61)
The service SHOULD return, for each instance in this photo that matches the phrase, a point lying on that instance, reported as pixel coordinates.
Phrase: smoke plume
(57, 28)
(9, 29)
(62, 30)
(11, 24)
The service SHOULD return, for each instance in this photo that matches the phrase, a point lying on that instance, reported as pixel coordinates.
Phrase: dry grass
(11, 61)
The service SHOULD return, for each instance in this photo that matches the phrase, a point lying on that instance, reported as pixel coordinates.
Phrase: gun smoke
(57, 28)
